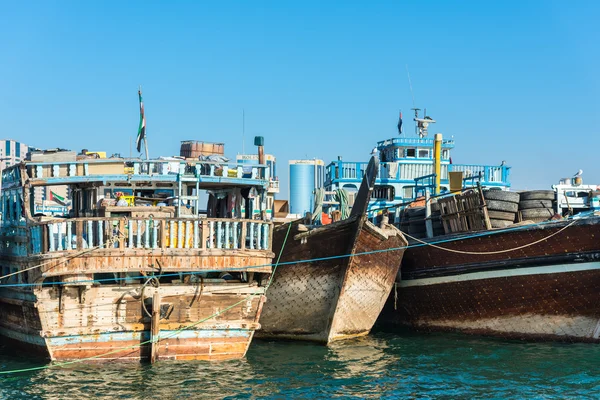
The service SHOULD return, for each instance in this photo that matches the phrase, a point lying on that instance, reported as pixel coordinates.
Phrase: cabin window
(445, 154)
(411, 152)
(383, 192)
(407, 192)
(577, 194)
(423, 153)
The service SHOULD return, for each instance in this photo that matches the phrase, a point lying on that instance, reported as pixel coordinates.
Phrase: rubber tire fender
(538, 195)
(505, 216)
(505, 206)
(500, 223)
(537, 213)
(528, 204)
(502, 195)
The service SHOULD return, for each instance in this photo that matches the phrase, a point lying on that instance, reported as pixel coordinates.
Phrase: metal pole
(146, 146)
(437, 151)
(428, 222)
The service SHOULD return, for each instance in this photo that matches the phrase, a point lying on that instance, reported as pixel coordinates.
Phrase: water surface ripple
(380, 365)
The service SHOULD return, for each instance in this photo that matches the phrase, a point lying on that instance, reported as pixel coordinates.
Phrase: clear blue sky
(510, 80)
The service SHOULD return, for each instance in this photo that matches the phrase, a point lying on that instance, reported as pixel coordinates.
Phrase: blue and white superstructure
(407, 169)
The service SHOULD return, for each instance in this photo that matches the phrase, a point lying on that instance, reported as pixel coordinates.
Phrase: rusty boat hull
(336, 296)
(97, 304)
(545, 288)
(207, 319)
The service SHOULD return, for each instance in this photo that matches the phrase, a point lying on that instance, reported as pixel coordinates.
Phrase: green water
(381, 365)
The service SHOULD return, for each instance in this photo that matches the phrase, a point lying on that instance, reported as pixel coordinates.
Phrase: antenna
(243, 129)
(410, 85)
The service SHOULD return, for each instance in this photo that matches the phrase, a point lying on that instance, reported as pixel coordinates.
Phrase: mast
(145, 136)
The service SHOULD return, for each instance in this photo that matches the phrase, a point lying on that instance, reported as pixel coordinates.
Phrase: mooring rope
(109, 242)
(492, 252)
(310, 260)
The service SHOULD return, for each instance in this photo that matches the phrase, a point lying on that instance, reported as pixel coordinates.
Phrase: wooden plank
(155, 327)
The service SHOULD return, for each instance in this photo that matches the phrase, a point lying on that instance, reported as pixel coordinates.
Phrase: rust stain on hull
(336, 298)
(548, 291)
(109, 322)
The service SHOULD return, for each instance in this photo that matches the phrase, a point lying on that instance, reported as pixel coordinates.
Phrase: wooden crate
(464, 212)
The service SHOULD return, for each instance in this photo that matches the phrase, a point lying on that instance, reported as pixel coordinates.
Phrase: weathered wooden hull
(336, 296)
(109, 322)
(548, 290)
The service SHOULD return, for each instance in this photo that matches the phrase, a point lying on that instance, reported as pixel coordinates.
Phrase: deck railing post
(179, 234)
(100, 233)
(219, 239)
(235, 235)
(138, 231)
(251, 235)
(243, 235)
(211, 235)
(90, 234)
(154, 234)
(265, 227)
(121, 234)
(79, 234)
(147, 234)
(59, 236)
(163, 233)
(196, 229)
(227, 238)
(69, 244)
(188, 234)
(171, 234)
(130, 234)
(258, 235)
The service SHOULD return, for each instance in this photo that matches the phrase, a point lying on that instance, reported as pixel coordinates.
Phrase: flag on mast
(142, 128)
(400, 123)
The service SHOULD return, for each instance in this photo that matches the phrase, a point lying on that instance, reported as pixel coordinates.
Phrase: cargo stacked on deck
(502, 207)
(195, 149)
(537, 205)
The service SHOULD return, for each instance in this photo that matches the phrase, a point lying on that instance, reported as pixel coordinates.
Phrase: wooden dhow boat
(147, 277)
(528, 281)
(331, 281)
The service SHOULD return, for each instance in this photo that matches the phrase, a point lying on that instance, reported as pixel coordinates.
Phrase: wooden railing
(147, 233)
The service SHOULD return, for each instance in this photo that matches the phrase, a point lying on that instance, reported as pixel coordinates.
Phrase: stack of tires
(502, 207)
(537, 205)
(416, 222)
